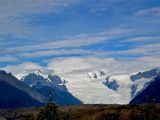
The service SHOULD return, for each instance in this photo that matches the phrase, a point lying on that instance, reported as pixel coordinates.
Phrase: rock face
(108, 81)
(50, 84)
(14, 93)
(151, 91)
(111, 84)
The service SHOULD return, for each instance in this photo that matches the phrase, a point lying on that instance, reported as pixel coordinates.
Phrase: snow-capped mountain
(47, 83)
(39, 78)
(90, 87)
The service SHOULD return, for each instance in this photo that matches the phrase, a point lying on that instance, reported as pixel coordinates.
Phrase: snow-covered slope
(90, 88)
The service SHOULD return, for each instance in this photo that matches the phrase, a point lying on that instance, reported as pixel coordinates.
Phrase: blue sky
(48, 30)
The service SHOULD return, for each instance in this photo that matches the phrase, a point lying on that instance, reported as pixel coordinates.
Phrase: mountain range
(33, 90)
(36, 86)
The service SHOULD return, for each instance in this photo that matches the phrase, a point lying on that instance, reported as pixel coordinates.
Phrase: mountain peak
(43, 72)
(38, 71)
(97, 74)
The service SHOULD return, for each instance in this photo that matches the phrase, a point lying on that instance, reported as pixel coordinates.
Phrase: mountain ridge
(15, 93)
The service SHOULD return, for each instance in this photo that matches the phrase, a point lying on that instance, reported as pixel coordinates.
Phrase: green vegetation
(49, 112)
(148, 111)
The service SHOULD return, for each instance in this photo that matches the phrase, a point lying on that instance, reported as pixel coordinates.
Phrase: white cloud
(149, 11)
(143, 39)
(14, 27)
(145, 50)
(8, 58)
(67, 43)
(65, 65)
(73, 42)
(12, 12)
(55, 52)
(22, 69)
(11, 8)
(76, 65)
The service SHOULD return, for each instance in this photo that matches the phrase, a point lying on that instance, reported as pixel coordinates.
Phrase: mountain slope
(151, 91)
(14, 93)
(12, 97)
(94, 88)
(140, 79)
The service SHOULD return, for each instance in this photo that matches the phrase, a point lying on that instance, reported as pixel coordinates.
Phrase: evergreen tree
(49, 112)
